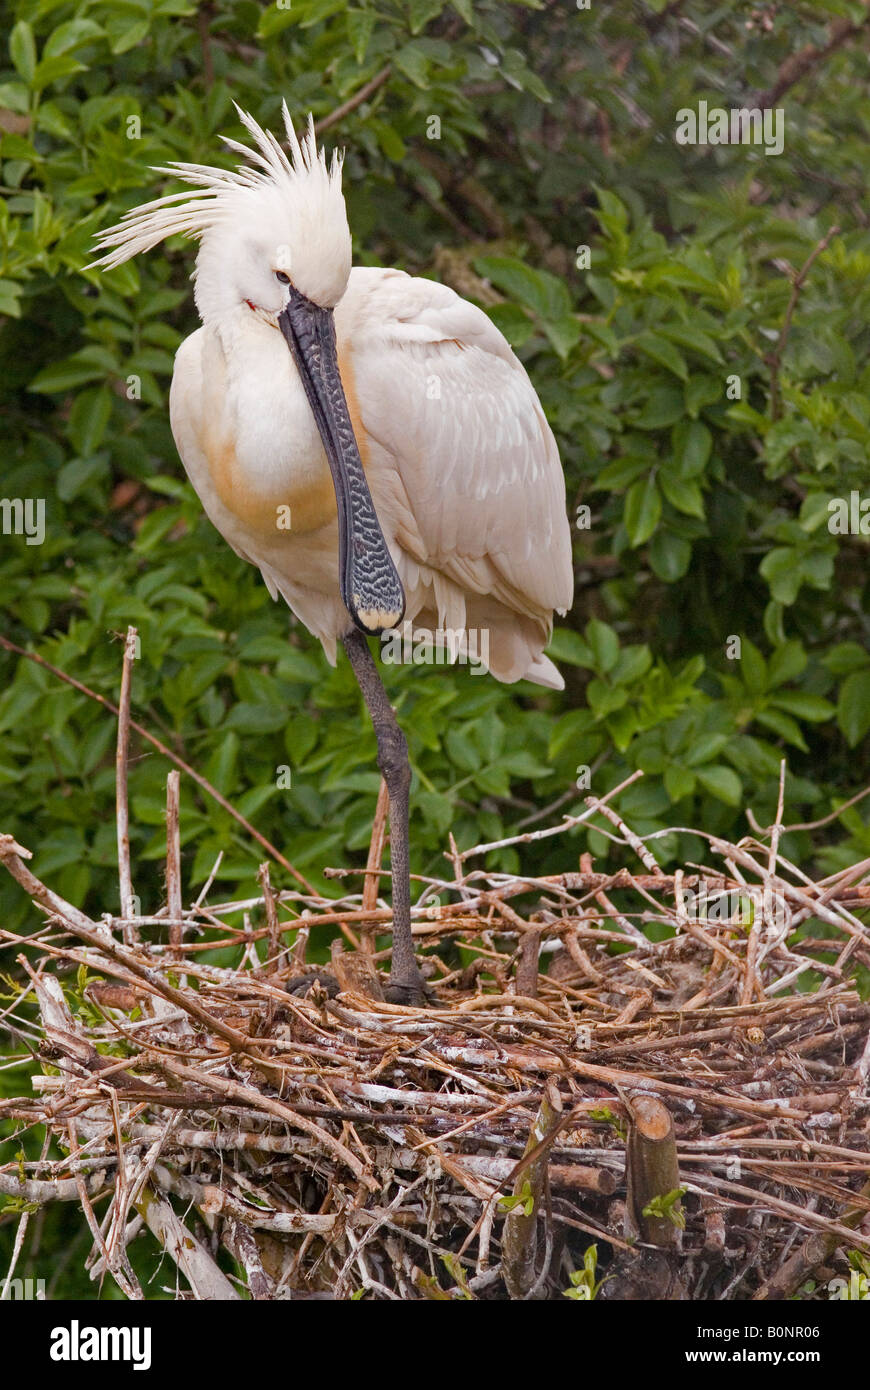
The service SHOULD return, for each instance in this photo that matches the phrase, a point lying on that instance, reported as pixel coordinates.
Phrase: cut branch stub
(817, 1248)
(652, 1173)
(527, 966)
(520, 1237)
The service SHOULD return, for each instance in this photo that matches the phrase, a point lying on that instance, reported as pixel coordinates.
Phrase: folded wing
(449, 406)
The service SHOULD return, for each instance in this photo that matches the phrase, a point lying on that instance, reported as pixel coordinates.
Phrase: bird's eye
(282, 278)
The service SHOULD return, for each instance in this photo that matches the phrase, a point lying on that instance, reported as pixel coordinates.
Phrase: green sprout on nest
(666, 1209)
(607, 1117)
(584, 1286)
(524, 1199)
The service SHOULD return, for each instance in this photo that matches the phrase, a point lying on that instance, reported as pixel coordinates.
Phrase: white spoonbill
(399, 434)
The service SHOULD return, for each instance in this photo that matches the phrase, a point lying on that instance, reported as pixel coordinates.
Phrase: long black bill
(370, 585)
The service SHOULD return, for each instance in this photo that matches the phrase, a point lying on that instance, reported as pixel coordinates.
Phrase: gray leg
(406, 983)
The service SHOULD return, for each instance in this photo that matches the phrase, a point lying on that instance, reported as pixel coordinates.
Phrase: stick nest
(658, 1081)
(290, 1144)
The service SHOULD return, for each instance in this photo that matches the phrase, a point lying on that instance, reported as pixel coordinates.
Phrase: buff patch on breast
(267, 509)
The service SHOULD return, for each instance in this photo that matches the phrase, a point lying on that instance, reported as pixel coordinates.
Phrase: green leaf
(420, 12)
(786, 663)
(663, 406)
(781, 568)
(569, 646)
(518, 72)
(73, 34)
(305, 13)
(413, 61)
(846, 657)
(643, 510)
(360, 27)
(52, 69)
(493, 781)
(22, 50)
(437, 810)
(389, 140)
(753, 667)
(75, 476)
(63, 376)
(462, 750)
(522, 763)
(703, 749)
(10, 299)
(123, 35)
(853, 707)
(663, 352)
(622, 471)
(692, 443)
(633, 662)
(569, 732)
(155, 526)
(89, 417)
(538, 290)
(666, 1207)
(679, 782)
(604, 645)
(683, 494)
(701, 391)
(250, 718)
(803, 706)
(673, 273)
(612, 207)
(14, 96)
(275, 18)
(300, 737)
(604, 699)
(220, 769)
(722, 782)
(564, 334)
(669, 556)
(691, 337)
(783, 724)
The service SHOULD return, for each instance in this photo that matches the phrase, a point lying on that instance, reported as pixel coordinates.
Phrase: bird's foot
(302, 984)
(415, 994)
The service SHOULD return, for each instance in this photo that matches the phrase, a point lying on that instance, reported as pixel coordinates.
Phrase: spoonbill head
(368, 440)
(274, 217)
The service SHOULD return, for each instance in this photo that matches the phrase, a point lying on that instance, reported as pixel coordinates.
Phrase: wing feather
(441, 392)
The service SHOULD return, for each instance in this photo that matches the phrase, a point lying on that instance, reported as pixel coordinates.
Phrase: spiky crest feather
(213, 201)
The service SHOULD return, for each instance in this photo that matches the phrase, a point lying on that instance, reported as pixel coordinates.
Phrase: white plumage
(368, 440)
(462, 466)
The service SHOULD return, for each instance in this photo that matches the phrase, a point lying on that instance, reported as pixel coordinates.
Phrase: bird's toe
(416, 994)
(302, 984)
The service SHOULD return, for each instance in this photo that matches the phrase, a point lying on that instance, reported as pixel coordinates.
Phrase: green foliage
(522, 1201)
(606, 1116)
(667, 1207)
(707, 515)
(584, 1286)
(455, 1269)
